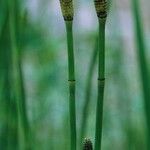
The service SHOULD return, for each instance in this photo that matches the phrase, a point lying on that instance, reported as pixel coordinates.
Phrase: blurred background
(33, 74)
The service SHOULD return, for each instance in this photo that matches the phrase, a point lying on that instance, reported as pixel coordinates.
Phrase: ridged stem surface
(101, 83)
(71, 80)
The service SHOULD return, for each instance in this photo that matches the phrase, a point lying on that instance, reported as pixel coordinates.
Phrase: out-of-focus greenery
(33, 75)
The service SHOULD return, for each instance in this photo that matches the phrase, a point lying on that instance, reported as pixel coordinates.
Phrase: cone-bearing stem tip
(87, 145)
(67, 9)
(101, 9)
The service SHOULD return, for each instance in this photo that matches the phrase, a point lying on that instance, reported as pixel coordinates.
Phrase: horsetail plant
(101, 10)
(87, 145)
(67, 11)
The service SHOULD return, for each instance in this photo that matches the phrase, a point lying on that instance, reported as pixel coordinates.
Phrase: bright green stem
(23, 105)
(101, 83)
(5, 95)
(13, 122)
(17, 72)
(142, 62)
(87, 100)
(71, 76)
(23, 110)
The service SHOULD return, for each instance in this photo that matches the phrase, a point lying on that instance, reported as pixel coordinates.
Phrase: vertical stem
(71, 72)
(68, 12)
(87, 99)
(23, 109)
(5, 84)
(71, 80)
(17, 75)
(23, 103)
(13, 121)
(101, 83)
(142, 62)
(101, 10)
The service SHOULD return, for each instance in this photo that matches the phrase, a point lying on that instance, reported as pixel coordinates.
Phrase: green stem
(23, 105)
(101, 83)
(13, 124)
(87, 100)
(23, 109)
(71, 80)
(18, 83)
(142, 62)
(6, 95)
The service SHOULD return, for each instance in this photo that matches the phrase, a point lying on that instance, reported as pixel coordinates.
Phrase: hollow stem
(87, 99)
(17, 73)
(101, 83)
(71, 80)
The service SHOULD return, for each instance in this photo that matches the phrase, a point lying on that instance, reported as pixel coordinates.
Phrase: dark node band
(101, 79)
(71, 80)
(101, 83)
(68, 18)
(102, 15)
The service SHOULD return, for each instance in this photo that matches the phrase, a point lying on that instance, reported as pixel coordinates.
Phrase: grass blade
(17, 76)
(141, 49)
(87, 99)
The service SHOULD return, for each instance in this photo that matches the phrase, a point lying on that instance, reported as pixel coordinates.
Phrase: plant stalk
(17, 73)
(141, 49)
(101, 9)
(87, 99)
(71, 80)
(101, 84)
(67, 12)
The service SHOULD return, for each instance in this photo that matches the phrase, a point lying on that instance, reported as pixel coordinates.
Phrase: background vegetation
(33, 74)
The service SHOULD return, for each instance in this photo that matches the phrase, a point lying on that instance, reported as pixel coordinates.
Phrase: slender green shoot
(71, 86)
(17, 75)
(87, 99)
(67, 11)
(101, 10)
(141, 49)
(9, 113)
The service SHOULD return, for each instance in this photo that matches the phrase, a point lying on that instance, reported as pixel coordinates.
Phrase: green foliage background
(33, 74)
